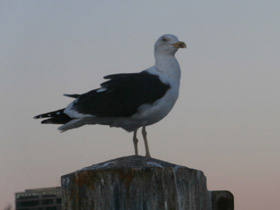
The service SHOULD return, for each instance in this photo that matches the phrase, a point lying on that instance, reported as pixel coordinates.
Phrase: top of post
(131, 162)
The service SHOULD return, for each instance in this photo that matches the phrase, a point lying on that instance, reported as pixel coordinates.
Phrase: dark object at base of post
(138, 183)
(222, 200)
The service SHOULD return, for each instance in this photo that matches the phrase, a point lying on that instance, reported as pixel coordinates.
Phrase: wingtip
(71, 95)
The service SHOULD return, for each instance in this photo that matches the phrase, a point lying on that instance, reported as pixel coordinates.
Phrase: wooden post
(138, 183)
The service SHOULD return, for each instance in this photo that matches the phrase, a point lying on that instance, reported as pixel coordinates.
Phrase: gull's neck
(168, 65)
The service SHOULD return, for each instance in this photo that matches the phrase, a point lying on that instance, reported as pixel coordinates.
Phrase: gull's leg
(135, 141)
(144, 133)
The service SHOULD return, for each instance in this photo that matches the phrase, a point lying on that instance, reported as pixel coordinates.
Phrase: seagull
(128, 100)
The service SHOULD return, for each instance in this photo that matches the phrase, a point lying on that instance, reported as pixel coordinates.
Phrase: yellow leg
(135, 142)
(144, 133)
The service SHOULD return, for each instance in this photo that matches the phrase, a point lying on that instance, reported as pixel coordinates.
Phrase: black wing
(122, 95)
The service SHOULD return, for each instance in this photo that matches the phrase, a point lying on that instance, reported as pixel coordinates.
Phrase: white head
(168, 44)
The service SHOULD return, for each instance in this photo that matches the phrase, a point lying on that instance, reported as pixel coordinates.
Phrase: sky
(226, 121)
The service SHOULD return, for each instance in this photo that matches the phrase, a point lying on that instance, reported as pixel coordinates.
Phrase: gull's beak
(180, 45)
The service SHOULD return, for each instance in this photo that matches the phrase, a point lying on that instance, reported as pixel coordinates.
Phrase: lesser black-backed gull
(129, 100)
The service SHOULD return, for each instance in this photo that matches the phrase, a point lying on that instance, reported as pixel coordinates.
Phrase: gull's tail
(55, 117)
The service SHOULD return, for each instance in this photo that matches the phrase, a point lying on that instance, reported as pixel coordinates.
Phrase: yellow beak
(180, 45)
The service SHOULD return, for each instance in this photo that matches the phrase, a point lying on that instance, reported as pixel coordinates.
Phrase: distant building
(39, 199)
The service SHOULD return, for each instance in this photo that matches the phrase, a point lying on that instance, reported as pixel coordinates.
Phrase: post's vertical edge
(65, 185)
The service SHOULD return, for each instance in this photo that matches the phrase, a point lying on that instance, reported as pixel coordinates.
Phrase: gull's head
(168, 44)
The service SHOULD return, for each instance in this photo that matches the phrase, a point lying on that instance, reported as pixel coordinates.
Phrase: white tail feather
(71, 124)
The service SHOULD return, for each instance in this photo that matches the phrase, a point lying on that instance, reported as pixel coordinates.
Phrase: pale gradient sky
(225, 123)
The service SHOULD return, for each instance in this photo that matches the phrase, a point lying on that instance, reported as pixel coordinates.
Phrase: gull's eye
(164, 39)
